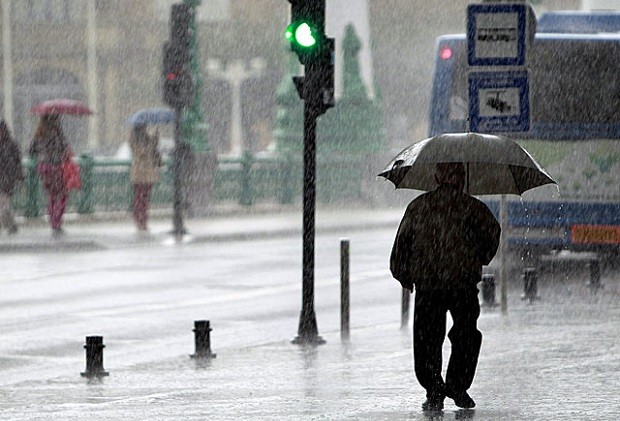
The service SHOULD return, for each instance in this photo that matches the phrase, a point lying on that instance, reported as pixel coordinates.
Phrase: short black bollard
(404, 308)
(530, 284)
(202, 339)
(595, 273)
(488, 290)
(94, 357)
(344, 290)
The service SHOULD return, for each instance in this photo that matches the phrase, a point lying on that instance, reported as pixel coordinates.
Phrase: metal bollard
(404, 308)
(94, 357)
(595, 273)
(488, 290)
(202, 339)
(344, 290)
(530, 284)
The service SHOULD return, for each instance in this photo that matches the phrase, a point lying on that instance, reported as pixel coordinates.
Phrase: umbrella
(151, 116)
(495, 165)
(61, 106)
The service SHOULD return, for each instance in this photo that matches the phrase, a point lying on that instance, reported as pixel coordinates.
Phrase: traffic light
(319, 80)
(178, 84)
(180, 20)
(306, 32)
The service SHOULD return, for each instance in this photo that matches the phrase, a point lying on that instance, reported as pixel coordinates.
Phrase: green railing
(247, 180)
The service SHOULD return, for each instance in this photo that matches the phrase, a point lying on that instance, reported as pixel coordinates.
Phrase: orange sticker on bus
(595, 234)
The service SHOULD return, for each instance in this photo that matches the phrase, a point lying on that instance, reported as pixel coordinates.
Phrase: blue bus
(574, 78)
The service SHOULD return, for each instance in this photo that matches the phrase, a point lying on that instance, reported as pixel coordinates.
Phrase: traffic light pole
(179, 91)
(316, 52)
(177, 218)
(308, 332)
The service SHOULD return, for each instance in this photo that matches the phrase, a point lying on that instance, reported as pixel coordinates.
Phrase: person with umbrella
(443, 240)
(50, 146)
(145, 164)
(11, 174)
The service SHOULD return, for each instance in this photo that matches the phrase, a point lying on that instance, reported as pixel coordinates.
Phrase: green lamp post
(193, 126)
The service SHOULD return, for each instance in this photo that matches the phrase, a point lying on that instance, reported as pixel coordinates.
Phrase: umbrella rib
(514, 178)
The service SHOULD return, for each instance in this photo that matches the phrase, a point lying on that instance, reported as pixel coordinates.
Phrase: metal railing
(106, 184)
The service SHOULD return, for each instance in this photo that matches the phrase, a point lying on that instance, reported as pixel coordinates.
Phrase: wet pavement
(556, 358)
(224, 224)
(551, 360)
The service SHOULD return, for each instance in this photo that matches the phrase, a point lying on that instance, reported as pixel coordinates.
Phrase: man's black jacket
(444, 239)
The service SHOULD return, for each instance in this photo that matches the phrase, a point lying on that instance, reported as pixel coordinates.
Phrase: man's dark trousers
(429, 331)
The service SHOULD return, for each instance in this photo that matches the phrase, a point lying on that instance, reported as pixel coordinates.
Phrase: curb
(90, 242)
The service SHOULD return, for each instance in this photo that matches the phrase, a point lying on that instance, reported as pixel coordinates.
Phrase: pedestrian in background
(444, 239)
(145, 164)
(50, 147)
(11, 175)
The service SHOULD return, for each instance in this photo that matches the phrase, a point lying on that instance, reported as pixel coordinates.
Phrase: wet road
(557, 358)
(144, 300)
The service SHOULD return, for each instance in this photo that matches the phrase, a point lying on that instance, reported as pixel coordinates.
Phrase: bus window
(571, 81)
(575, 81)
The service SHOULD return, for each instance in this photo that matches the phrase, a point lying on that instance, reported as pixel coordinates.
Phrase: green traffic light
(289, 33)
(304, 36)
(301, 34)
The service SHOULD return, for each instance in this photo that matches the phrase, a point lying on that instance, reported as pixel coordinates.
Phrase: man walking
(443, 240)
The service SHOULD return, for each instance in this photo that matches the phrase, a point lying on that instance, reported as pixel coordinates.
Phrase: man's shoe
(461, 399)
(433, 404)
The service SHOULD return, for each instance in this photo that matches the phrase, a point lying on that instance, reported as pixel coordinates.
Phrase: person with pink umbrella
(56, 168)
(50, 146)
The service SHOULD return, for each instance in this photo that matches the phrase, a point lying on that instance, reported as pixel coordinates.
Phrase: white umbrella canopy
(494, 164)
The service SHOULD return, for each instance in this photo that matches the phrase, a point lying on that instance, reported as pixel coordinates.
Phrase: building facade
(108, 53)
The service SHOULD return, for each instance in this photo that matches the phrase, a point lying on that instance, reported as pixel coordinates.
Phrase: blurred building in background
(108, 53)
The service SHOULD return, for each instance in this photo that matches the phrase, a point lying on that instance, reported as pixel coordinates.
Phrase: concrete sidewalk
(557, 358)
(223, 224)
(554, 359)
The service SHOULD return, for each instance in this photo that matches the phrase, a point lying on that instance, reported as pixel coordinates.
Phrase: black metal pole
(344, 290)
(307, 333)
(202, 339)
(94, 357)
(488, 290)
(177, 218)
(530, 284)
(404, 308)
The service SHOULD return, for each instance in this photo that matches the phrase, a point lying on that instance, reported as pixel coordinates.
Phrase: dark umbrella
(495, 165)
(151, 116)
(61, 106)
